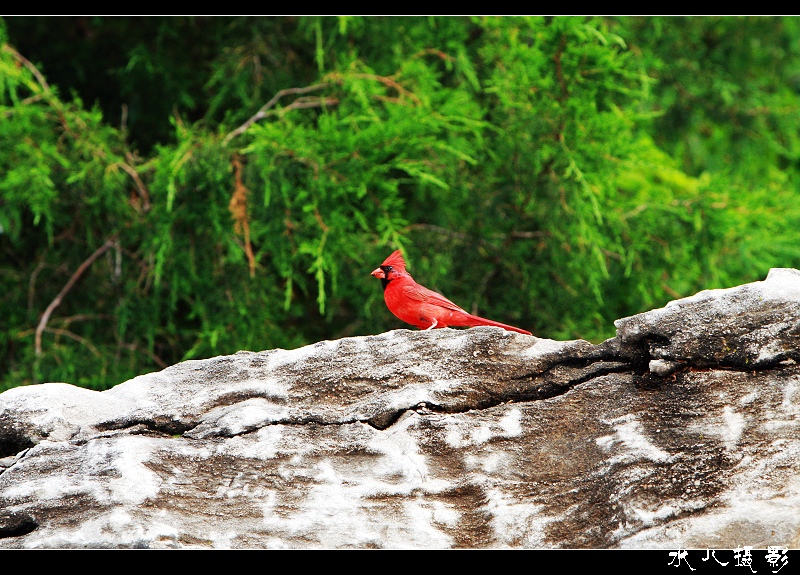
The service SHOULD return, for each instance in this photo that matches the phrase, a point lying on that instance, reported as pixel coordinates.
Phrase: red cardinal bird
(420, 306)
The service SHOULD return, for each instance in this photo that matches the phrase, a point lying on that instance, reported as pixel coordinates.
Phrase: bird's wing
(425, 295)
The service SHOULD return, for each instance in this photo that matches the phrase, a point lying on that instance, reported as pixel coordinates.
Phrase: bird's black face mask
(385, 279)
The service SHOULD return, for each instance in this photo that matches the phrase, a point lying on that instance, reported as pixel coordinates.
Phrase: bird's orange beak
(378, 273)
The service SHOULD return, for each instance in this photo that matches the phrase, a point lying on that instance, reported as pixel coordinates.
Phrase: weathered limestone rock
(681, 432)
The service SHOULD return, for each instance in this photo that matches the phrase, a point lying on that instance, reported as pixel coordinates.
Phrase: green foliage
(554, 173)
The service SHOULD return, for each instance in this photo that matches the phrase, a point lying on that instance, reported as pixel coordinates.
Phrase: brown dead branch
(560, 70)
(76, 337)
(29, 65)
(435, 52)
(238, 209)
(391, 83)
(32, 282)
(140, 187)
(265, 109)
(57, 301)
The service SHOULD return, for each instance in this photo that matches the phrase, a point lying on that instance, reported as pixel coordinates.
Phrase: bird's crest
(396, 261)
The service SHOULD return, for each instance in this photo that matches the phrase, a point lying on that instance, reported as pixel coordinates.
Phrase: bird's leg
(433, 325)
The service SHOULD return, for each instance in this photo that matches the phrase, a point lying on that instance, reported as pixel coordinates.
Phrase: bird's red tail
(483, 321)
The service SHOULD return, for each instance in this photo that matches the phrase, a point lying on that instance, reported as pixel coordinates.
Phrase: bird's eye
(388, 269)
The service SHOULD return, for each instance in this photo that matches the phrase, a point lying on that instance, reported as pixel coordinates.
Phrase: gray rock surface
(683, 431)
